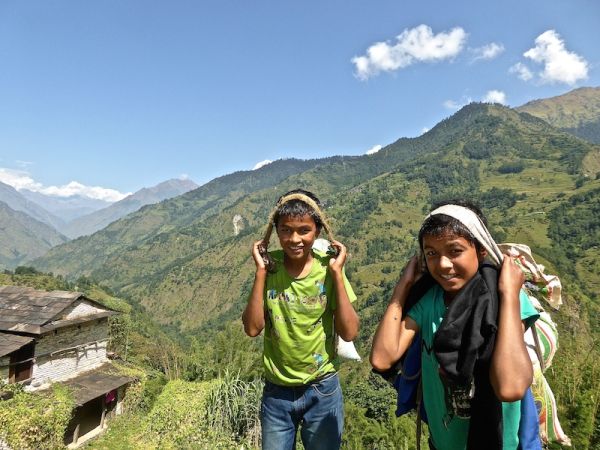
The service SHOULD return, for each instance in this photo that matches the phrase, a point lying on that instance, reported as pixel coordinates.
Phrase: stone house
(60, 336)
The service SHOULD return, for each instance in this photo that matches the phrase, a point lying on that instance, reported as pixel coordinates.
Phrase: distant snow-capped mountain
(67, 208)
(97, 220)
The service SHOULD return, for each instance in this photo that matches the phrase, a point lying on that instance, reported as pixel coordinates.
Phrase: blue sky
(118, 94)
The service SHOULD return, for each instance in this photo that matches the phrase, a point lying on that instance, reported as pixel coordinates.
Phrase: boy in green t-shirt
(302, 299)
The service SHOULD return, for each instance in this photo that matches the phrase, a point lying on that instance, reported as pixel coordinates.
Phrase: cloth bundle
(539, 284)
(542, 345)
(343, 349)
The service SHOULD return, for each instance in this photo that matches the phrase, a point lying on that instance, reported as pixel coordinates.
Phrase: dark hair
(443, 225)
(298, 208)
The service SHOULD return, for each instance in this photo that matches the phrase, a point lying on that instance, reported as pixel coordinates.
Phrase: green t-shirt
(299, 342)
(451, 434)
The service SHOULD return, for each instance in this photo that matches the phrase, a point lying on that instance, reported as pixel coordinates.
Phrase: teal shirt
(451, 434)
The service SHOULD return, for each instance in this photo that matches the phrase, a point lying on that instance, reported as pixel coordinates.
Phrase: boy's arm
(511, 372)
(346, 320)
(254, 314)
(394, 335)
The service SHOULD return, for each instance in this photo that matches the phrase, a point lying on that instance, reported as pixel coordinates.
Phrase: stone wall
(69, 351)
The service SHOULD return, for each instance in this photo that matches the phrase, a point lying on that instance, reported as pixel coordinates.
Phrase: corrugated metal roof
(11, 342)
(24, 309)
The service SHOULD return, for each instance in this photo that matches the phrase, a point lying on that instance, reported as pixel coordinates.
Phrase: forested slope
(184, 264)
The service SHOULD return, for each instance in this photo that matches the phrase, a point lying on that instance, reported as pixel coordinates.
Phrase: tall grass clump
(233, 405)
(219, 414)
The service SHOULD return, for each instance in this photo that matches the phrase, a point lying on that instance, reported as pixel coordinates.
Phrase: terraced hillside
(183, 261)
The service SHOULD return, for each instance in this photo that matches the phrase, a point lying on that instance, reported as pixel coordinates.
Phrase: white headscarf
(474, 224)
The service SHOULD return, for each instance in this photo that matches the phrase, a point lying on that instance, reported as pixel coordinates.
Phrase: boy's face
(451, 260)
(297, 236)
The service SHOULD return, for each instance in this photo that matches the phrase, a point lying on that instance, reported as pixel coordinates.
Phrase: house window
(21, 363)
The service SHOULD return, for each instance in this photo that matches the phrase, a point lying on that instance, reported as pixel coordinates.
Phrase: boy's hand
(511, 277)
(336, 264)
(411, 272)
(258, 249)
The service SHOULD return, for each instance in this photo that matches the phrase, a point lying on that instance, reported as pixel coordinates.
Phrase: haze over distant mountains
(23, 237)
(97, 220)
(67, 208)
(576, 112)
(18, 202)
(32, 222)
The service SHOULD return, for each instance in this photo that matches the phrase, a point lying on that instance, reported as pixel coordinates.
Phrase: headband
(303, 198)
(474, 224)
(282, 201)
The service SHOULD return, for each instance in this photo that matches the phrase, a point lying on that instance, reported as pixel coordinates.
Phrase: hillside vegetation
(182, 262)
(576, 112)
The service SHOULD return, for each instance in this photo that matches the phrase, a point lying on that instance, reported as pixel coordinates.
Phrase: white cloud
(560, 65)
(22, 180)
(413, 45)
(373, 149)
(522, 71)
(489, 51)
(457, 104)
(23, 163)
(258, 165)
(424, 130)
(18, 179)
(495, 96)
(76, 188)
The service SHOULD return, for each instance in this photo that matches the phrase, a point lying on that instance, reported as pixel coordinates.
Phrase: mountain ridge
(169, 255)
(23, 237)
(90, 223)
(576, 112)
(66, 208)
(18, 202)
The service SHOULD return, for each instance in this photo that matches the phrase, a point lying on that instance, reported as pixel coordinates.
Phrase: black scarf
(464, 345)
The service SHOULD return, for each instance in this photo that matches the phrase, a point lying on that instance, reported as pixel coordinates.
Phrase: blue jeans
(318, 408)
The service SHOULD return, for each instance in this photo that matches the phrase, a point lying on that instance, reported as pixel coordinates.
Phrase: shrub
(36, 421)
(477, 150)
(512, 167)
(26, 270)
